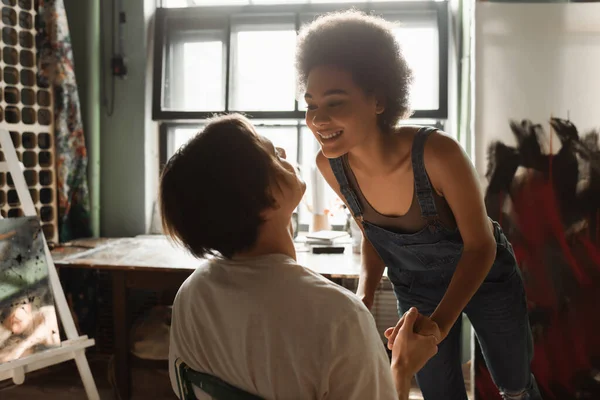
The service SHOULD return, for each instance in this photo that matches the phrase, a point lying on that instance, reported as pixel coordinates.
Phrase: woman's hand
(423, 325)
(427, 327)
(410, 351)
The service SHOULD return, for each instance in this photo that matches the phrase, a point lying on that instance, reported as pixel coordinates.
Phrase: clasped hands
(423, 325)
(413, 340)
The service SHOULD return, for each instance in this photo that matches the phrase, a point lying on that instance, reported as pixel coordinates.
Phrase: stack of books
(326, 238)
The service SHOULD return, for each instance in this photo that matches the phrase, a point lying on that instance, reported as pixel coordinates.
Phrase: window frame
(206, 17)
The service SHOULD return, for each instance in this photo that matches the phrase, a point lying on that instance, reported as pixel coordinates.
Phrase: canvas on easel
(74, 347)
(28, 322)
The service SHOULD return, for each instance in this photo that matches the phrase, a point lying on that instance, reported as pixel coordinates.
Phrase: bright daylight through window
(236, 59)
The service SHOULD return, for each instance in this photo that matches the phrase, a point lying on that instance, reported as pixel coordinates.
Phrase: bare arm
(452, 173)
(372, 265)
(410, 352)
(403, 383)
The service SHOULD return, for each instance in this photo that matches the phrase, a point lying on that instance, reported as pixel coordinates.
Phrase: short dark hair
(214, 188)
(365, 46)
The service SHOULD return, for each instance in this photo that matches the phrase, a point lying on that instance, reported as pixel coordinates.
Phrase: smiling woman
(416, 196)
(339, 112)
(387, 82)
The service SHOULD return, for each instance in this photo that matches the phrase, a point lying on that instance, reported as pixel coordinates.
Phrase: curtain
(55, 62)
(56, 67)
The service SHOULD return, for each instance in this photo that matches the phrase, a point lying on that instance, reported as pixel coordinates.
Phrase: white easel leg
(86, 375)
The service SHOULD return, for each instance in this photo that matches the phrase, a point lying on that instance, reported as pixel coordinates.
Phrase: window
(202, 73)
(419, 38)
(216, 56)
(219, 59)
(259, 81)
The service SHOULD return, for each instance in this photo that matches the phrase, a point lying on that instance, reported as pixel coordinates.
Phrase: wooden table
(154, 263)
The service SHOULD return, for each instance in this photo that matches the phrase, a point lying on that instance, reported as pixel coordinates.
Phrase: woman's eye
(311, 107)
(335, 104)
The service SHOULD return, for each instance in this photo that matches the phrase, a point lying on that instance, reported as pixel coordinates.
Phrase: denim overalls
(420, 266)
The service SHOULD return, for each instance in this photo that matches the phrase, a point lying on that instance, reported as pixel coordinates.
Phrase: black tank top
(410, 222)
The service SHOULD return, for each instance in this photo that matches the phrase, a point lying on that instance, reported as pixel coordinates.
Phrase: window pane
(262, 76)
(307, 163)
(203, 76)
(195, 70)
(285, 137)
(420, 45)
(333, 204)
(282, 136)
(178, 137)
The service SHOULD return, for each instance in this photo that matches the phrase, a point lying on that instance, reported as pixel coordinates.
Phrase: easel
(74, 347)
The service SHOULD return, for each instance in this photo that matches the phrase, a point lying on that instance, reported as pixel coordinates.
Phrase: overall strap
(422, 184)
(337, 165)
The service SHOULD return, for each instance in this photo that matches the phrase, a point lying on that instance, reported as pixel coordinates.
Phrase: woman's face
(340, 114)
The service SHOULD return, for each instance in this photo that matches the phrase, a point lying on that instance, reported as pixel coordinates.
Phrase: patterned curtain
(55, 63)
(56, 66)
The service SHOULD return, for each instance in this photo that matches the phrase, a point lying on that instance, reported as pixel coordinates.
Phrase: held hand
(427, 327)
(411, 351)
(391, 333)
(424, 326)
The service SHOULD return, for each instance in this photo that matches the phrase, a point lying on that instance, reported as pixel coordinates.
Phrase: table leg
(121, 326)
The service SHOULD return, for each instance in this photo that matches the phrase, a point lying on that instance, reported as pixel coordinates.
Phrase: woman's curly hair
(365, 46)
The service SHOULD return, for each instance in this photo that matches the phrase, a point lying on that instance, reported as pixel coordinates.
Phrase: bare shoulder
(441, 149)
(445, 161)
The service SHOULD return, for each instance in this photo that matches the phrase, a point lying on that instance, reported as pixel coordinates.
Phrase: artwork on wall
(534, 62)
(545, 192)
(28, 320)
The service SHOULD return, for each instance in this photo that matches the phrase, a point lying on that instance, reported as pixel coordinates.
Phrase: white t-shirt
(278, 330)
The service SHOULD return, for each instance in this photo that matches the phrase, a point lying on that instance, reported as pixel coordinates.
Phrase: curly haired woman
(416, 197)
